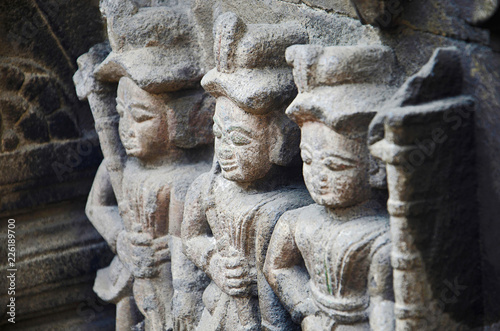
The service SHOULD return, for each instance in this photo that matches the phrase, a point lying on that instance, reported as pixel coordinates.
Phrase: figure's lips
(129, 145)
(228, 165)
(131, 149)
(323, 190)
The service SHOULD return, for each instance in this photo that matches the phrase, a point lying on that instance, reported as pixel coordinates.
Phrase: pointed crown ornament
(250, 65)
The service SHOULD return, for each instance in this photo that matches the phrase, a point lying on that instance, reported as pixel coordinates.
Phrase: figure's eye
(217, 131)
(239, 138)
(337, 164)
(140, 115)
(306, 157)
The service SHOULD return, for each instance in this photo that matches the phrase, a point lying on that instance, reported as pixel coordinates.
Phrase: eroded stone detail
(232, 210)
(34, 105)
(329, 262)
(155, 138)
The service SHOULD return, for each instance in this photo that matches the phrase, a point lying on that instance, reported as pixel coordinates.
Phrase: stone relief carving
(155, 138)
(245, 247)
(231, 211)
(330, 262)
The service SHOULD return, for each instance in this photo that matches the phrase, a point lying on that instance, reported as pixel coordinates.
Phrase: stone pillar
(428, 147)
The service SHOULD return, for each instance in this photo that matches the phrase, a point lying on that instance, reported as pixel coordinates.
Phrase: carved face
(143, 121)
(242, 142)
(335, 167)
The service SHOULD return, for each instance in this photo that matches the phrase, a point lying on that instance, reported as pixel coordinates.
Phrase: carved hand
(233, 274)
(84, 79)
(141, 253)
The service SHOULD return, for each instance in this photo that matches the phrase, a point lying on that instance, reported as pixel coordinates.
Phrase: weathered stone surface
(340, 90)
(427, 146)
(231, 211)
(48, 158)
(62, 126)
(58, 253)
(330, 262)
(29, 101)
(483, 84)
(381, 13)
(154, 139)
(242, 245)
(340, 6)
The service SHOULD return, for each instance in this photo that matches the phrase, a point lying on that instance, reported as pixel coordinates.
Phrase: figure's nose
(318, 174)
(225, 152)
(131, 132)
(128, 127)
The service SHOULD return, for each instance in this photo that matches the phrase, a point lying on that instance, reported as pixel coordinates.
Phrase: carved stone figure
(330, 262)
(164, 125)
(231, 211)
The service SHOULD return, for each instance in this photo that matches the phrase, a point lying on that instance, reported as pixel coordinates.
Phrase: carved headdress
(251, 68)
(340, 86)
(154, 46)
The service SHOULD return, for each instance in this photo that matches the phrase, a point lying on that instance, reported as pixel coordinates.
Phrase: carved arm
(198, 242)
(102, 209)
(380, 287)
(101, 98)
(285, 271)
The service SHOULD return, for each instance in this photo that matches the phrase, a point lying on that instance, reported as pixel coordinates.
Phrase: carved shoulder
(380, 267)
(270, 213)
(284, 201)
(198, 190)
(185, 176)
(179, 188)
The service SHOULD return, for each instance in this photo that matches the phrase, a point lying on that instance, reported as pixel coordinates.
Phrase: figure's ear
(285, 135)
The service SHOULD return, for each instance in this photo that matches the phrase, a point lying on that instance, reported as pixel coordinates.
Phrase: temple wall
(48, 158)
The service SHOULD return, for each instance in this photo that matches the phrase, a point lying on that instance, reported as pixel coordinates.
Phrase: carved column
(428, 146)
